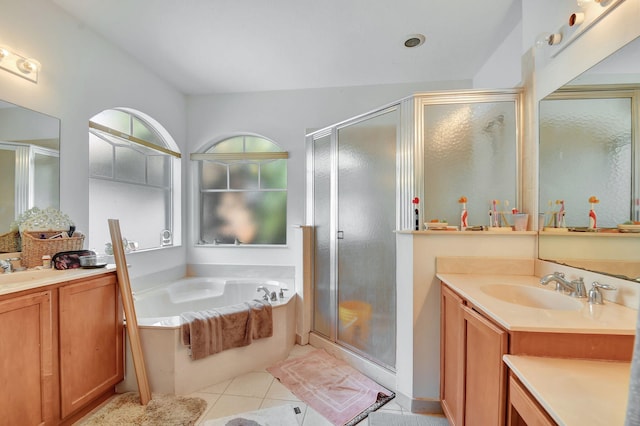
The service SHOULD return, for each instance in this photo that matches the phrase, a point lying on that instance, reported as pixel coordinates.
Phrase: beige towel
(215, 330)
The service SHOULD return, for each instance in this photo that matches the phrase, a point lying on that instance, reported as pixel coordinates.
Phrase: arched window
(134, 171)
(242, 184)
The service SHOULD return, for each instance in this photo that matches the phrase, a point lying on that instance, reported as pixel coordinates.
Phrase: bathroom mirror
(589, 146)
(29, 162)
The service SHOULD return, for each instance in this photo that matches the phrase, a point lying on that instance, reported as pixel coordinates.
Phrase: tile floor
(259, 389)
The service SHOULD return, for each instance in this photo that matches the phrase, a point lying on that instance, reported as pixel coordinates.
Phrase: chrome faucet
(267, 295)
(575, 288)
(6, 265)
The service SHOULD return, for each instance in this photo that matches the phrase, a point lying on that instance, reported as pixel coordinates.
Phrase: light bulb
(28, 66)
(3, 53)
(548, 39)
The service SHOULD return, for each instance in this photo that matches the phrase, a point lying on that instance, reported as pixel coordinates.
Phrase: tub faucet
(267, 295)
(575, 288)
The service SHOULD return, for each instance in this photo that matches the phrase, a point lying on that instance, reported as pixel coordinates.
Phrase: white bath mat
(282, 415)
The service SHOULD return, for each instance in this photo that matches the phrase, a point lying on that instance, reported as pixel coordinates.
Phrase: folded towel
(212, 331)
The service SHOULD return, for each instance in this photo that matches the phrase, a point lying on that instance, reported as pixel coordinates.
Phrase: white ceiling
(217, 46)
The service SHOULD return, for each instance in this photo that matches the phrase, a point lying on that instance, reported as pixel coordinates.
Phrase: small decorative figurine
(463, 213)
(592, 213)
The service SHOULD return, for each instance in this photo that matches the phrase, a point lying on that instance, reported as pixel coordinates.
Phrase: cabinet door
(452, 356)
(485, 386)
(91, 339)
(26, 360)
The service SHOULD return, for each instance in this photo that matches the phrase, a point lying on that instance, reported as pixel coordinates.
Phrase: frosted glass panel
(273, 174)
(470, 150)
(101, 158)
(243, 176)
(130, 165)
(158, 170)
(250, 217)
(585, 150)
(323, 312)
(214, 175)
(366, 254)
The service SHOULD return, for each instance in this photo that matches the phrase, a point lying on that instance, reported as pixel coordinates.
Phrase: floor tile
(211, 399)
(391, 406)
(298, 350)
(228, 405)
(217, 388)
(313, 418)
(251, 384)
(279, 391)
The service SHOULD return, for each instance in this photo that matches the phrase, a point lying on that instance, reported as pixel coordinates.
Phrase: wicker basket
(10, 242)
(34, 247)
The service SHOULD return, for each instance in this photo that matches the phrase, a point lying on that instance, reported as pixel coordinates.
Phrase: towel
(212, 331)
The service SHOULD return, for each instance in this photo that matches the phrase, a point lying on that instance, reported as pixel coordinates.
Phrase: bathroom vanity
(62, 335)
(488, 318)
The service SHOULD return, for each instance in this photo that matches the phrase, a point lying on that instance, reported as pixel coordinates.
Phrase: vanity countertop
(609, 318)
(575, 391)
(36, 278)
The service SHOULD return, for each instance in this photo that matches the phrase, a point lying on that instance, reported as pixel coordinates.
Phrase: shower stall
(362, 175)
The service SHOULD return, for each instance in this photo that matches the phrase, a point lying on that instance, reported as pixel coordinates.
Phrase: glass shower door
(366, 220)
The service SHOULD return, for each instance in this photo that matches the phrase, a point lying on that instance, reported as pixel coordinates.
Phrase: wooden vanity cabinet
(473, 382)
(61, 350)
(524, 410)
(91, 351)
(452, 356)
(26, 360)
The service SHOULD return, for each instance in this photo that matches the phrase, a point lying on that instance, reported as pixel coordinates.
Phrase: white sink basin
(532, 297)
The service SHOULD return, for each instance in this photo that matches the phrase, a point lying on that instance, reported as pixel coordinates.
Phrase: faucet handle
(579, 288)
(595, 297)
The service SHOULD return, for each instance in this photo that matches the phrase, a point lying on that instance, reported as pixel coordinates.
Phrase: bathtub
(169, 366)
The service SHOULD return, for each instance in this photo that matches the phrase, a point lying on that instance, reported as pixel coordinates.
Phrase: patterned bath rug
(125, 409)
(392, 419)
(282, 415)
(333, 388)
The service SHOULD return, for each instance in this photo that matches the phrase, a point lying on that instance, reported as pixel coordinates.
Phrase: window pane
(273, 174)
(250, 217)
(130, 165)
(243, 176)
(142, 131)
(228, 145)
(158, 170)
(100, 157)
(214, 175)
(256, 144)
(115, 119)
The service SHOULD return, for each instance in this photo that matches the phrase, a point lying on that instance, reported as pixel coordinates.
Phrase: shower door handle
(340, 235)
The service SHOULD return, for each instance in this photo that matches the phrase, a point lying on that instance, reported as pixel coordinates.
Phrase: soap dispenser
(595, 297)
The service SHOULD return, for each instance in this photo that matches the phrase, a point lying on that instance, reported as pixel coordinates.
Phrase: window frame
(171, 181)
(227, 159)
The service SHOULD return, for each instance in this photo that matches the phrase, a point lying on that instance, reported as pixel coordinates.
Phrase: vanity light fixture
(18, 64)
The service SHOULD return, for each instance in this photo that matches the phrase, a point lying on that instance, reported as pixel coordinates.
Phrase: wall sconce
(19, 65)
(548, 39)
